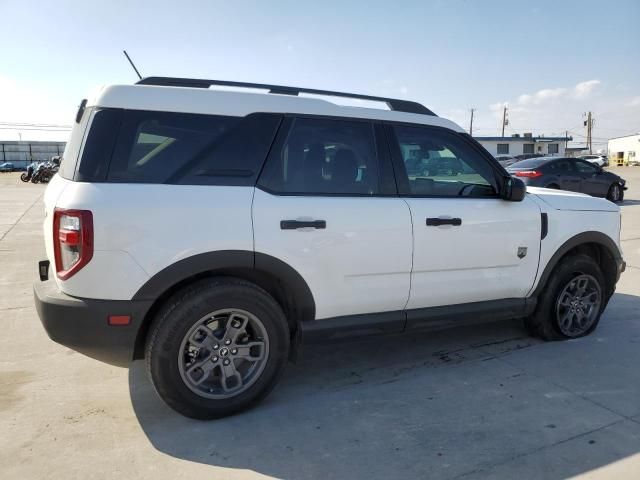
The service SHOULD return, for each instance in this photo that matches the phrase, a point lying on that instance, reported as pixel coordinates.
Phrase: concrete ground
(479, 402)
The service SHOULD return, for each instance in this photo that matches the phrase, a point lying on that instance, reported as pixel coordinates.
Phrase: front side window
(503, 148)
(585, 167)
(442, 163)
(324, 156)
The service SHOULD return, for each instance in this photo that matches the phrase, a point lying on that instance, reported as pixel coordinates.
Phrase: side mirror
(514, 189)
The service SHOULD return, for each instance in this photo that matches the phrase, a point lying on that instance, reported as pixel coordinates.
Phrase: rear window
(531, 163)
(134, 146)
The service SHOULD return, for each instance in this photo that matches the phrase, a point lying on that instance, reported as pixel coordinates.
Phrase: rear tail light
(527, 173)
(72, 240)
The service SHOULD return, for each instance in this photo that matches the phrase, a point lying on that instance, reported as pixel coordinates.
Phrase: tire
(615, 193)
(24, 177)
(546, 321)
(180, 319)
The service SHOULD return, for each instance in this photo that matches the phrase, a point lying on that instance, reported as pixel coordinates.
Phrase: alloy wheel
(578, 305)
(223, 354)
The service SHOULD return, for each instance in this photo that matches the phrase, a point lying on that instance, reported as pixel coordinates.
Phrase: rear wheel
(615, 193)
(572, 301)
(217, 348)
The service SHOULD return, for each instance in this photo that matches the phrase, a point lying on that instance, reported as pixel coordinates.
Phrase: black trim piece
(295, 224)
(353, 325)
(230, 262)
(466, 313)
(81, 323)
(436, 222)
(393, 103)
(81, 109)
(580, 239)
(422, 318)
(544, 225)
(43, 270)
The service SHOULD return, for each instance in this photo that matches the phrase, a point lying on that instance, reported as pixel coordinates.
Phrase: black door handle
(436, 222)
(295, 224)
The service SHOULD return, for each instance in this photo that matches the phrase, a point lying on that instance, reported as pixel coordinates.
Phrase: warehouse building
(624, 150)
(23, 153)
(526, 144)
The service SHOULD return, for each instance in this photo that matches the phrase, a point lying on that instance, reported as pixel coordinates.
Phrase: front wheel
(217, 347)
(572, 301)
(615, 193)
(24, 177)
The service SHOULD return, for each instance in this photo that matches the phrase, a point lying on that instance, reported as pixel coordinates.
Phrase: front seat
(344, 172)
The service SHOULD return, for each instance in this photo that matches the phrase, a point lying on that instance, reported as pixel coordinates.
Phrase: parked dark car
(570, 174)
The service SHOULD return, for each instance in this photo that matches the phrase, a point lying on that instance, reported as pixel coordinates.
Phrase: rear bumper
(81, 323)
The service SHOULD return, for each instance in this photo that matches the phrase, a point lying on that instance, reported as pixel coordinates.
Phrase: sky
(548, 61)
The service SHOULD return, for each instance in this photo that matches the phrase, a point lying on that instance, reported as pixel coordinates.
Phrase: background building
(23, 153)
(525, 144)
(625, 148)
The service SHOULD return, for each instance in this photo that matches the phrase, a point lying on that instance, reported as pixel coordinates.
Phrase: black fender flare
(580, 239)
(296, 288)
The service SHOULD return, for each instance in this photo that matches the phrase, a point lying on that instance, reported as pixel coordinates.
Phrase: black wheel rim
(223, 354)
(578, 305)
(615, 192)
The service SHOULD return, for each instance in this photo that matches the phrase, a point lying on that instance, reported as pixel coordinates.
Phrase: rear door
(326, 204)
(469, 244)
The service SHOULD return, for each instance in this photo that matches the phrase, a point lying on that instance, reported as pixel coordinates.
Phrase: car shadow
(626, 202)
(430, 404)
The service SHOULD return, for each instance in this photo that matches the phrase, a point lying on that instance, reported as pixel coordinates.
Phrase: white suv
(210, 231)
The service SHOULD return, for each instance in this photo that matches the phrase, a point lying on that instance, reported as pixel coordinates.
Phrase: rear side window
(153, 146)
(133, 146)
(324, 157)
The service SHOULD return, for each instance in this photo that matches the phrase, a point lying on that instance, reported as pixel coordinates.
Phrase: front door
(591, 181)
(326, 205)
(469, 244)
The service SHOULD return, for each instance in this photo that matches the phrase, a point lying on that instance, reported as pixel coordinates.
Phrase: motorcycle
(43, 172)
(26, 176)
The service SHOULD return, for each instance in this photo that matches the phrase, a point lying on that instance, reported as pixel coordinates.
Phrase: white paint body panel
(222, 102)
(360, 263)
(140, 229)
(477, 260)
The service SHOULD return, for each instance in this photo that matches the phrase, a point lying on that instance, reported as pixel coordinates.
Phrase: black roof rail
(393, 103)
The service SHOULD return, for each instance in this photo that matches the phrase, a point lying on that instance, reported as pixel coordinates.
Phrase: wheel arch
(597, 245)
(280, 280)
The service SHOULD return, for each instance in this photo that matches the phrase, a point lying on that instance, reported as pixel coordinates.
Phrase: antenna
(132, 64)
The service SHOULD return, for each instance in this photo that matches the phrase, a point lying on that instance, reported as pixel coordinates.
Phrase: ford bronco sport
(209, 230)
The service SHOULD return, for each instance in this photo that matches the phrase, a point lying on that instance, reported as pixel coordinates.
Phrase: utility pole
(589, 124)
(505, 120)
(471, 124)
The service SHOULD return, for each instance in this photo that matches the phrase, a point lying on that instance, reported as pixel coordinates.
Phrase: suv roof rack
(393, 103)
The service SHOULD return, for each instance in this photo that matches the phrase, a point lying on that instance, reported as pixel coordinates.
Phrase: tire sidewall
(566, 270)
(173, 324)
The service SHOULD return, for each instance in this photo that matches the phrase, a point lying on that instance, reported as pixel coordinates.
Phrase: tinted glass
(98, 147)
(322, 156)
(441, 163)
(585, 167)
(531, 163)
(72, 148)
(153, 147)
(560, 167)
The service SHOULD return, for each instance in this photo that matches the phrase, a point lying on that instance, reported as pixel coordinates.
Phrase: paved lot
(480, 402)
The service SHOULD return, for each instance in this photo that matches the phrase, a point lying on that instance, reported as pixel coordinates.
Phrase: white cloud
(579, 91)
(634, 102)
(584, 89)
(541, 96)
